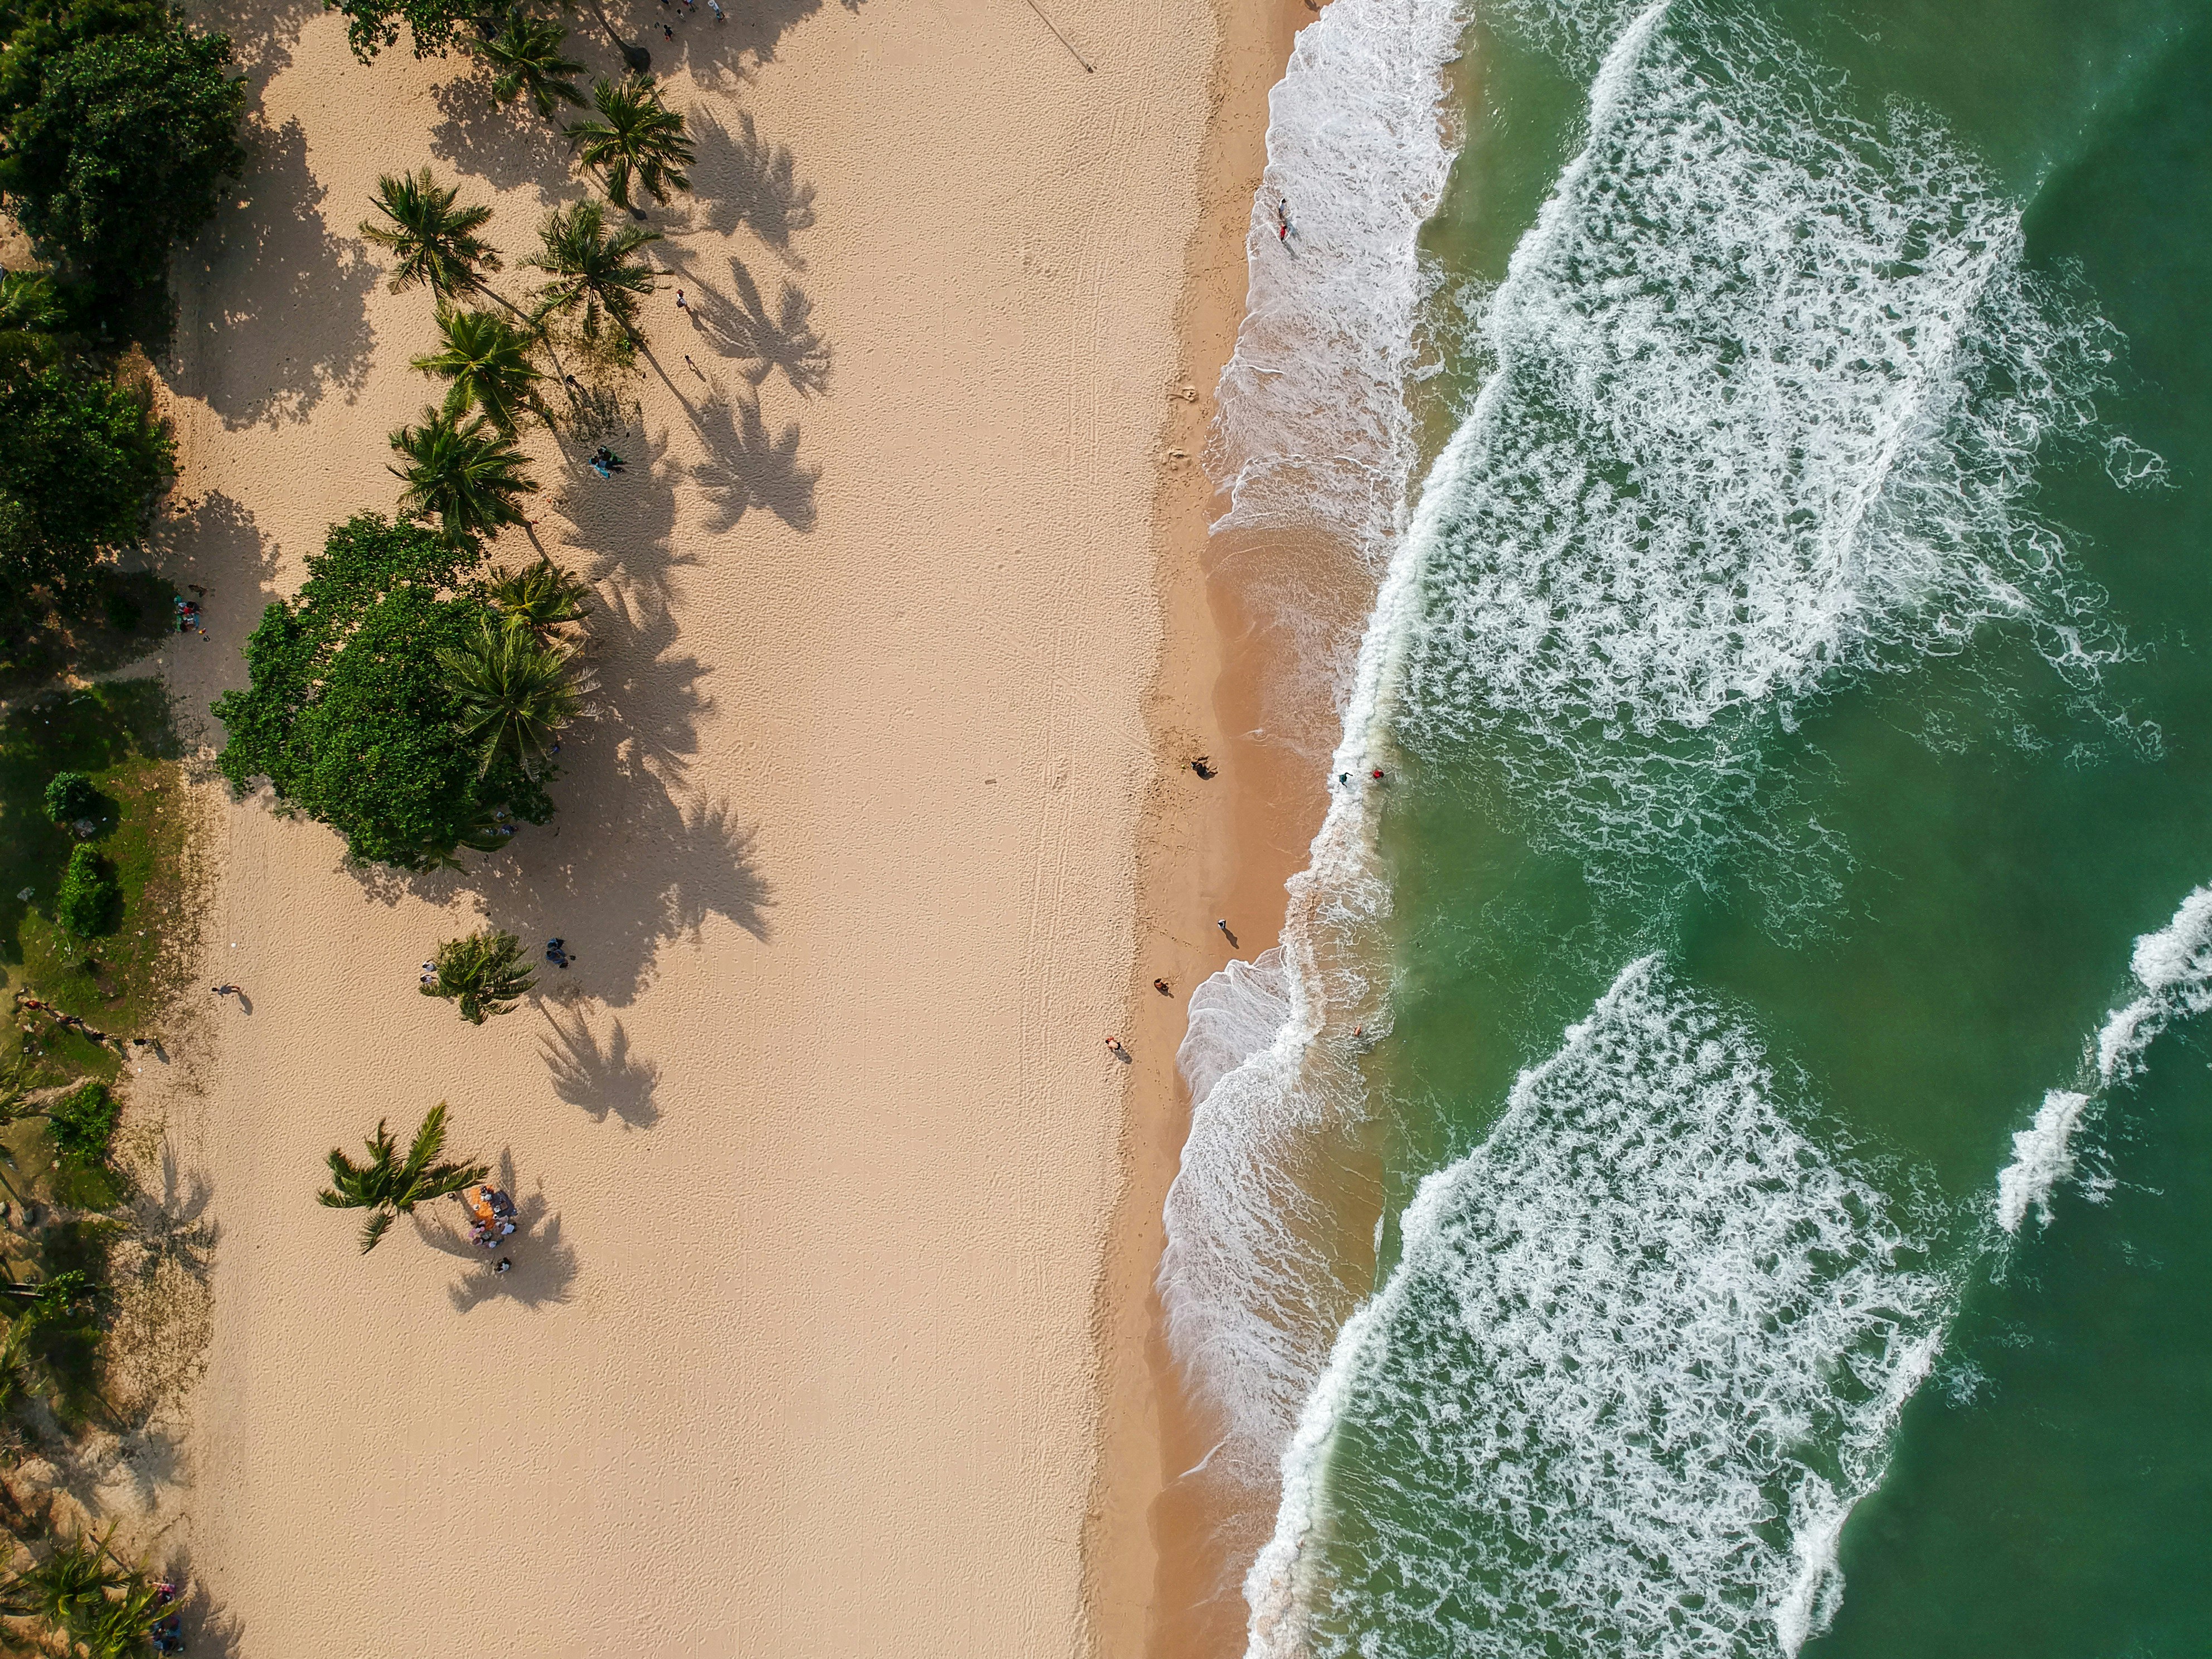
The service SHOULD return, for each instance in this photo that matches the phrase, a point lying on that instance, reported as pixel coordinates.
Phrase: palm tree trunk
(636, 58)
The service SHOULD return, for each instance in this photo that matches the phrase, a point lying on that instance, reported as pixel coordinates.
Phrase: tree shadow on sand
(507, 148)
(746, 466)
(730, 50)
(261, 34)
(741, 179)
(603, 1077)
(544, 1263)
(634, 858)
(283, 305)
(762, 340)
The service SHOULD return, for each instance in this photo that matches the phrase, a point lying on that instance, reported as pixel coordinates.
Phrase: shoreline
(1222, 847)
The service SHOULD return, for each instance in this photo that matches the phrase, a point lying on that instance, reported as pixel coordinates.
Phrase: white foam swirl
(1644, 1348)
(2173, 972)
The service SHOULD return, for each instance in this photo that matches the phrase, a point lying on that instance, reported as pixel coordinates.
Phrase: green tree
(594, 269)
(373, 24)
(348, 715)
(539, 596)
(468, 475)
(388, 1187)
(70, 796)
(634, 140)
(485, 362)
(526, 61)
(514, 691)
(89, 903)
(83, 1123)
(120, 135)
(484, 973)
(68, 1586)
(81, 460)
(435, 238)
(37, 325)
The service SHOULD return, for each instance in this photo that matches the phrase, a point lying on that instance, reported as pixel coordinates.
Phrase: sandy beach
(828, 1329)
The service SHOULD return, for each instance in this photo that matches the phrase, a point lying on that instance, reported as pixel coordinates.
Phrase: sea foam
(1770, 387)
(2172, 973)
(1313, 434)
(1643, 1349)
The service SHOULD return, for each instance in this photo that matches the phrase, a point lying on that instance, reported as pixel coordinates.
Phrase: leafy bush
(70, 796)
(81, 459)
(90, 901)
(83, 1122)
(121, 129)
(351, 719)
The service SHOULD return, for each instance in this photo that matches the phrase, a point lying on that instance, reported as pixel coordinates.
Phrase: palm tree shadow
(173, 1223)
(545, 1263)
(747, 467)
(762, 341)
(602, 1079)
(741, 178)
(508, 148)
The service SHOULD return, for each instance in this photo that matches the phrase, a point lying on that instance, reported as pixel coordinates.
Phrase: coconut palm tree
(484, 973)
(122, 1625)
(435, 239)
(635, 139)
(469, 474)
(537, 597)
(515, 692)
(526, 61)
(594, 268)
(486, 360)
(68, 1588)
(388, 1187)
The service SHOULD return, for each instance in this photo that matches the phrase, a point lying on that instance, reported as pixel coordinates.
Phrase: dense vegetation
(119, 131)
(349, 715)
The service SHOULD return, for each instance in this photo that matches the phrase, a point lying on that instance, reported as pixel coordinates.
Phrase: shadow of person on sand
(604, 1077)
(760, 340)
(544, 1263)
(275, 312)
(741, 179)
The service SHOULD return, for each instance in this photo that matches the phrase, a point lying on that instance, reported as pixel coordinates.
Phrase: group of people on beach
(493, 1212)
(606, 462)
(29, 1001)
(714, 6)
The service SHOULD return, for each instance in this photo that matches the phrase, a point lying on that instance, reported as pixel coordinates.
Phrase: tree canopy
(80, 460)
(348, 716)
(372, 25)
(118, 131)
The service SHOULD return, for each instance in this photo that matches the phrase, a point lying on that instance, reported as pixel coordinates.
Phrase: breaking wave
(2172, 973)
(1643, 1349)
(1770, 387)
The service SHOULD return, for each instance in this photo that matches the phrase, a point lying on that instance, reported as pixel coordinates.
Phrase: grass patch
(118, 737)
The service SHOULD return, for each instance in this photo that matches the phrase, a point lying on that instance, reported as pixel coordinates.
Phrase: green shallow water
(1997, 842)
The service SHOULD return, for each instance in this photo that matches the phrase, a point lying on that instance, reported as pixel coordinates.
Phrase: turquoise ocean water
(1758, 997)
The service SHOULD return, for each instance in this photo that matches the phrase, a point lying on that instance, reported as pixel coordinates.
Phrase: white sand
(798, 1357)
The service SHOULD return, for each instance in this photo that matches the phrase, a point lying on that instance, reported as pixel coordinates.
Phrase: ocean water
(1718, 1163)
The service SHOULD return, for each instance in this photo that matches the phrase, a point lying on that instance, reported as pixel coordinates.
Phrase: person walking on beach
(1283, 220)
(224, 990)
(1222, 922)
(1161, 986)
(716, 6)
(680, 305)
(1114, 1046)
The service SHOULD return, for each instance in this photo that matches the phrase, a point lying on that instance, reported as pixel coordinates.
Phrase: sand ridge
(817, 1142)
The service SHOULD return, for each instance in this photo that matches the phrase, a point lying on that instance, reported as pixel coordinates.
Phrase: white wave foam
(2042, 1157)
(1313, 432)
(2172, 971)
(1313, 427)
(1645, 1347)
(1770, 387)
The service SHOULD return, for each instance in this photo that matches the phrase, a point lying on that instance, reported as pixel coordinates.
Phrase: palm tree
(388, 1188)
(469, 474)
(637, 138)
(487, 360)
(122, 1627)
(515, 691)
(593, 269)
(526, 61)
(537, 597)
(436, 240)
(67, 1588)
(482, 973)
